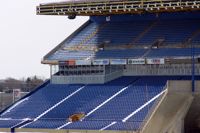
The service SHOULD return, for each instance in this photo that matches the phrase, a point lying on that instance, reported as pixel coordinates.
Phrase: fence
(7, 99)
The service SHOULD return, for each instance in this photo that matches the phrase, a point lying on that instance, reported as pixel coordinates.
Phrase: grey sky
(25, 37)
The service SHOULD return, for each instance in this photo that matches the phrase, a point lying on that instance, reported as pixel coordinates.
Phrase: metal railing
(116, 7)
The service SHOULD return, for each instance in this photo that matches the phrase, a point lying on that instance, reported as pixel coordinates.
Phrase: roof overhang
(50, 62)
(102, 7)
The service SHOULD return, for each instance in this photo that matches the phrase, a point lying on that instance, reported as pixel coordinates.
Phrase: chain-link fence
(7, 99)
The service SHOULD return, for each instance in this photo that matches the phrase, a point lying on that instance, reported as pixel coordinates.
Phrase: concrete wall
(171, 110)
(170, 115)
(197, 87)
(4, 130)
(192, 120)
(179, 86)
(183, 86)
(165, 69)
(86, 79)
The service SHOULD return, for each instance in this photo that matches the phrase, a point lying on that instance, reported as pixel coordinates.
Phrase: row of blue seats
(172, 52)
(92, 96)
(117, 33)
(39, 101)
(82, 35)
(125, 53)
(172, 31)
(51, 94)
(140, 90)
(134, 97)
(9, 123)
(88, 98)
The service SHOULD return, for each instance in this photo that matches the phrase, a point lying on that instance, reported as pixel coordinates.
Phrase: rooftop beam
(116, 7)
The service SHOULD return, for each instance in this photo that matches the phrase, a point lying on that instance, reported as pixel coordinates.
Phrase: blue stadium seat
(40, 101)
(9, 123)
(172, 52)
(172, 31)
(127, 33)
(139, 90)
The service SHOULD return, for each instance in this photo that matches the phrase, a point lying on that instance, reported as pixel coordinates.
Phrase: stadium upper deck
(151, 34)
(167, 35)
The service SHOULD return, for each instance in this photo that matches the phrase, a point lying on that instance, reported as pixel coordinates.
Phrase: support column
(193, 67)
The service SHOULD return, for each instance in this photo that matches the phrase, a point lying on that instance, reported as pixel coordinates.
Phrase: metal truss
(89, 8)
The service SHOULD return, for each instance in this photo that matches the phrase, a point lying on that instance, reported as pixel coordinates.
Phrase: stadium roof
(104, 7)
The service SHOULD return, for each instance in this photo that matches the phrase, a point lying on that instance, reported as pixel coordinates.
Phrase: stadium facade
(134, 66)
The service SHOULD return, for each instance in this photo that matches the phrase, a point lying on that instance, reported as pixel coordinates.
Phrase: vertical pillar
(12, 130)
(193, 67)
(50, 72)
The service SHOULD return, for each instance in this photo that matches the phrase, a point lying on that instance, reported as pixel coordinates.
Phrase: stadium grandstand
(133, 67)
